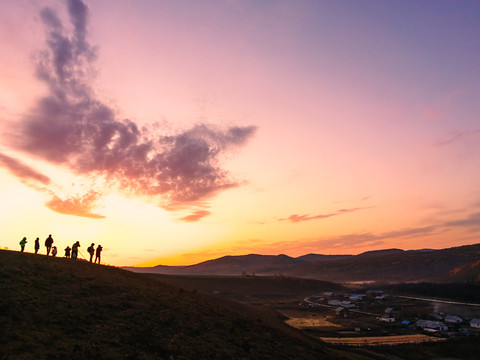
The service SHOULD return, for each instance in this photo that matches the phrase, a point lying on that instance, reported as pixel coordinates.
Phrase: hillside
(248, 287)
(390, 265)
(55, 308)
(394, 265)
(469, 273)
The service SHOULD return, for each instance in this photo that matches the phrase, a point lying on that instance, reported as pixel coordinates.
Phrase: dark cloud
(23, 171)
(196, 216)
(71, 127)
(299, 218)
(455, 137)
(472, 221)
(410, 232)
(79, 206)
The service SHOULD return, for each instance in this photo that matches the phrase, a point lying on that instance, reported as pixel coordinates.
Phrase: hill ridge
(57, 308)
(388, 265)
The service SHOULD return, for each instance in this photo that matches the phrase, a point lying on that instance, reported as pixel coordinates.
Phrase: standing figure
(22, 243)
(37, 245)
(54, 251)
(98, 253)
(75, 250)
(67, 251)
(91, 251)
(48, 243)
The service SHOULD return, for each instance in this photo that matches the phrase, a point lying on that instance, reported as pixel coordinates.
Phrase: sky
(173, 132)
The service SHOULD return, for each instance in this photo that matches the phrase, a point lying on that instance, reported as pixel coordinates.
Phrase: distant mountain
(376, 253)
(318, 257)
(237, 265)
(159, 269)
(389, 265)
(393, 265)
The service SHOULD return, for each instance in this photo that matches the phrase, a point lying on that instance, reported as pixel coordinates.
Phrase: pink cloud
(78, 206)
(431, 114)
(299, 218)
(72, 127)
(457, 136)
(196, 216)
(22, 171)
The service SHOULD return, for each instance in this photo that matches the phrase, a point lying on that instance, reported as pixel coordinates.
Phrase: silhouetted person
(91, 251)
(75, 250)
(67, 251)
(54, 251)
(48, 243)
(98, 253)
(37, 245)
(22, 243)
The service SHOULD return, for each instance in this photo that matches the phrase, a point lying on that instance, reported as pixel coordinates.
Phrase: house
(431, 325)
(334, 302)
(475, 323)
(436, 316)
(347, 304)
(357, 297)
(317, 299)
(453, 319)
(341, 311)
(328, 294)
(387, 318)
(391, 311)
(381, 298)
(374, 293)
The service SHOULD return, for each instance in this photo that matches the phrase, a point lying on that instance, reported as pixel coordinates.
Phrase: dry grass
(382, 340)
(55, 308)
(311, 323)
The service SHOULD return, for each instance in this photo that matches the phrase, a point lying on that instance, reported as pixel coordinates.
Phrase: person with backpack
(75, 250)
(91, 251)
(48, 243)
(37, 245)
(22, 243)
(98, 253)
(67, 251)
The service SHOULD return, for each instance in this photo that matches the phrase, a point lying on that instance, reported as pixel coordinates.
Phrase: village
(376, 314)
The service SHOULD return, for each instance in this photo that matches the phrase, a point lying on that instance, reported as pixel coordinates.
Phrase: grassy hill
(55, 308)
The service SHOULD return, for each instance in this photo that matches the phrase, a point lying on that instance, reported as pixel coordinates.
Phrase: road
(308, 301)
(438, 301)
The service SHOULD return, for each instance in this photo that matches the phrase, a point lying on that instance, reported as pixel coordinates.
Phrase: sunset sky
(173, 132)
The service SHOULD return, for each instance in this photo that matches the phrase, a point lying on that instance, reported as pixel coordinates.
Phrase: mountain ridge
(387, 265)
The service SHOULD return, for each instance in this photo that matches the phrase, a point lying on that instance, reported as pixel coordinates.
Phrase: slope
(54, 308)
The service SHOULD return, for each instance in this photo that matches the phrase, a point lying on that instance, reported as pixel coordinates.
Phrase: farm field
(382, 340)
(311, 322)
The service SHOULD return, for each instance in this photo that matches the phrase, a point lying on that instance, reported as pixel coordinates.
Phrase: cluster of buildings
(446, 323)
(343, 304)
